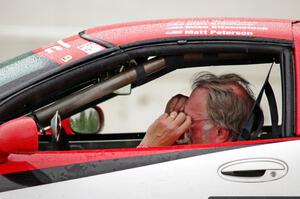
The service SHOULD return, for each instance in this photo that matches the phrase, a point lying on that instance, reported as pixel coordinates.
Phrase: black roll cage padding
(175, 61)
(140, 74)
(254, 123)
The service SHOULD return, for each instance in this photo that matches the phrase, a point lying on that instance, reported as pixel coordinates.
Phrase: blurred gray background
(29, 24)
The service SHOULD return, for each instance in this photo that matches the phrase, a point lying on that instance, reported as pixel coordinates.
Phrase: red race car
(72, 113)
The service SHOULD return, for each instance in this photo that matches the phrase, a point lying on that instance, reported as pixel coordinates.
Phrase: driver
(214, 112)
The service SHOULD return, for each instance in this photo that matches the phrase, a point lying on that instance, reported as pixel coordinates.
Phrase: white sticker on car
(90, 48)
(66, 58)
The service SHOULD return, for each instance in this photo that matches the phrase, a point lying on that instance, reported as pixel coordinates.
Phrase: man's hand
(166, 129)
(176, 104)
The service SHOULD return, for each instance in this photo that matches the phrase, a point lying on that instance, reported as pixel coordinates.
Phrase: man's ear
(223, 135)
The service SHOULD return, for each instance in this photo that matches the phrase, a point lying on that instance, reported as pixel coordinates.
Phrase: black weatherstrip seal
(183, 40)
(25, 179)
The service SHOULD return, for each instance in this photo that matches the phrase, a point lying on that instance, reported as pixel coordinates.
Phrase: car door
(257, 171)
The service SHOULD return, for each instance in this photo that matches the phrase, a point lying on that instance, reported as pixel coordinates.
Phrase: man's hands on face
(167, 129)
(170, 126)
(176, 104)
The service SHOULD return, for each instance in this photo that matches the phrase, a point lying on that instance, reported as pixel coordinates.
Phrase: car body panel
(178, 178)
(47, 159)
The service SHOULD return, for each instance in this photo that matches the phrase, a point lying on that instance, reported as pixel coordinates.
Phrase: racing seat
(252, 129)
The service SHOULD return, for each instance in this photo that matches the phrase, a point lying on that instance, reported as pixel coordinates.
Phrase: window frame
(282, 49)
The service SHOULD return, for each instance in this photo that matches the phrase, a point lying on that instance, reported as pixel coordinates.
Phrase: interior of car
(161, 69)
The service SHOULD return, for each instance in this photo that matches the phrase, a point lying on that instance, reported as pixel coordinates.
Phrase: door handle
(253, 170)
(248, 173)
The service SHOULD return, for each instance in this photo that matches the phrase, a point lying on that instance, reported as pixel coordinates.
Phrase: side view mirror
(18, 136)
(89, 121)
(56, 126)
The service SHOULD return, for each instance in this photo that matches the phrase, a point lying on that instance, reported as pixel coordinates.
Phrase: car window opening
(160, 65)
(190, 60)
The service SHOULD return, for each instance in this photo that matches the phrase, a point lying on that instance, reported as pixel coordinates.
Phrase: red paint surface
(40, 160)
(132, 32)
(121, 34)
(66, 124)
(57, 52)
(18, 136)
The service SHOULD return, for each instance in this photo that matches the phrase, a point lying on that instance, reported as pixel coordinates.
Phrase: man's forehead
(196, 102)
(234, 87)
(199, 95)
(200, 91)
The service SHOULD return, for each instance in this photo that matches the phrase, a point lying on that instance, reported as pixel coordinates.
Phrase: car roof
(20, 74)
(128, 34)
(122, 34)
